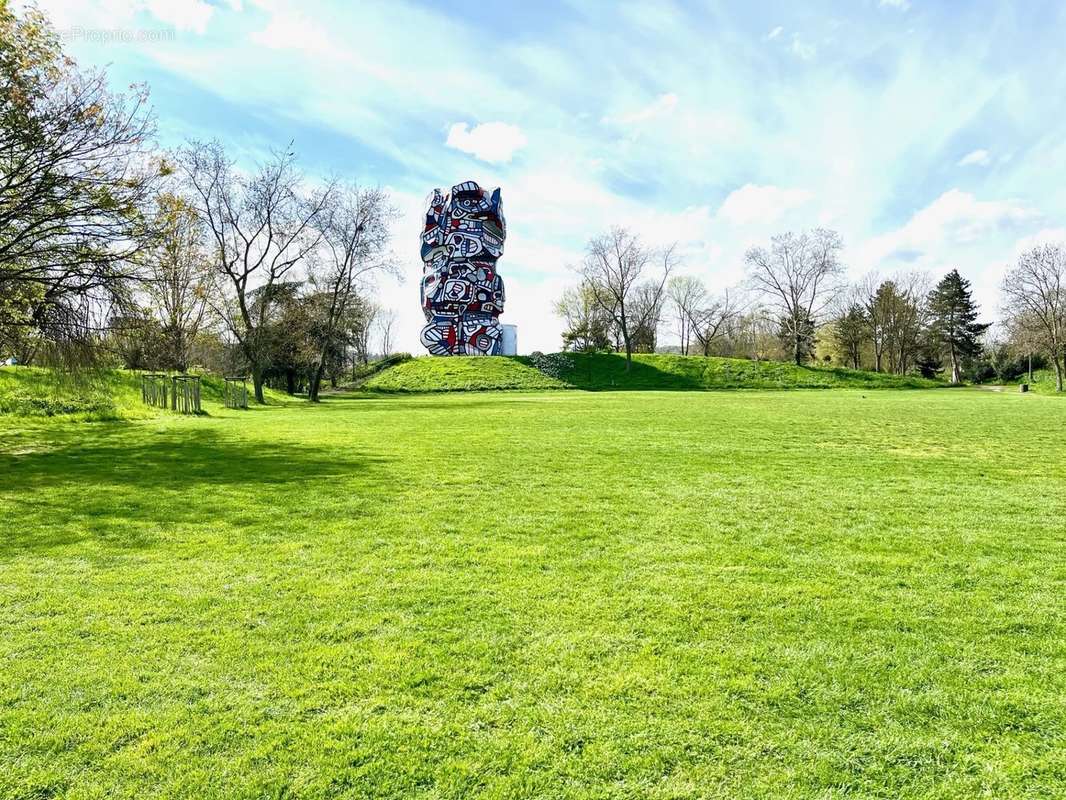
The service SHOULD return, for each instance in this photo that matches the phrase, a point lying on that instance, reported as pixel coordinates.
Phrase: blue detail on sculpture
(462, 295)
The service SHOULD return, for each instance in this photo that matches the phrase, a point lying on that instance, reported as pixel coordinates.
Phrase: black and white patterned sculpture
(462, 294)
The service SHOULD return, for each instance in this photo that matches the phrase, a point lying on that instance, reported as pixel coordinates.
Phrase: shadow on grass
(342, 395)
(607, 371)
(122, 485)
(845, 377)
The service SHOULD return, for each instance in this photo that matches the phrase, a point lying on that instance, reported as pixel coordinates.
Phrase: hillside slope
(606, 371)
(98, 394)
(1043, 382)
(665, 371)
(461, 374)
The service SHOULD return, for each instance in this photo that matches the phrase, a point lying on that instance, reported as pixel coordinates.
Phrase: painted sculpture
(462, 294)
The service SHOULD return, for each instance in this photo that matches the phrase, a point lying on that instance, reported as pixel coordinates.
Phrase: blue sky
(930, 134)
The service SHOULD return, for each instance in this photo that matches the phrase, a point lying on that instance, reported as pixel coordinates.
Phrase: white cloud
(190, 15)
(902, 5)
(186, 15)
(753, 203)
(960, 217)
(287, 31)
(1041, 237)
(955, 219)
(802, 49)
(495, 142)
(979, 158)
(660, 106)
(774, 33)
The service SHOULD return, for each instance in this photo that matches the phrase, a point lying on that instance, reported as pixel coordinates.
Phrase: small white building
(509, 340)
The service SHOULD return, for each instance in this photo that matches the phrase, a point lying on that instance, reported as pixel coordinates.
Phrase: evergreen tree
(953, 322)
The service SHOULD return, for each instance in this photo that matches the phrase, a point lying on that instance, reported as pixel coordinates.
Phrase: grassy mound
(461, 374)
(90, 395)
(607, 371)
(663, 371)
(371, 368)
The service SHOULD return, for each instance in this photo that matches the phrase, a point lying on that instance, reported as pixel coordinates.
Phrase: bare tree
(260, 227)
(646, 311)
(354, 231)
(712, 321)
(178, 277)
(385, 324)
(687, 296)
(1035, 292)
(614, 272)
(755, 334)
(1025, 335)
(798, 275)
(364, 319)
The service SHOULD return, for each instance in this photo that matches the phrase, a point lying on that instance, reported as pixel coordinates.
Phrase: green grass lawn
(607, 371)
(558, 594)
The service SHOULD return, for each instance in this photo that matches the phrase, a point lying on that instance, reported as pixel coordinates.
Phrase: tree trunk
(316, 383)
(797, 349)
(316, 377)
(257, 383)
(179, 352)
(1058, 372)
(625, 340)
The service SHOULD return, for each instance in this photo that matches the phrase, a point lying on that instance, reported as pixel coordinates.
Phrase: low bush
(49, 406)
(554, 365)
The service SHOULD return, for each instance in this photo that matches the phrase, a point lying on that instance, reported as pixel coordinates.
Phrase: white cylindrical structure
(509, 340)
